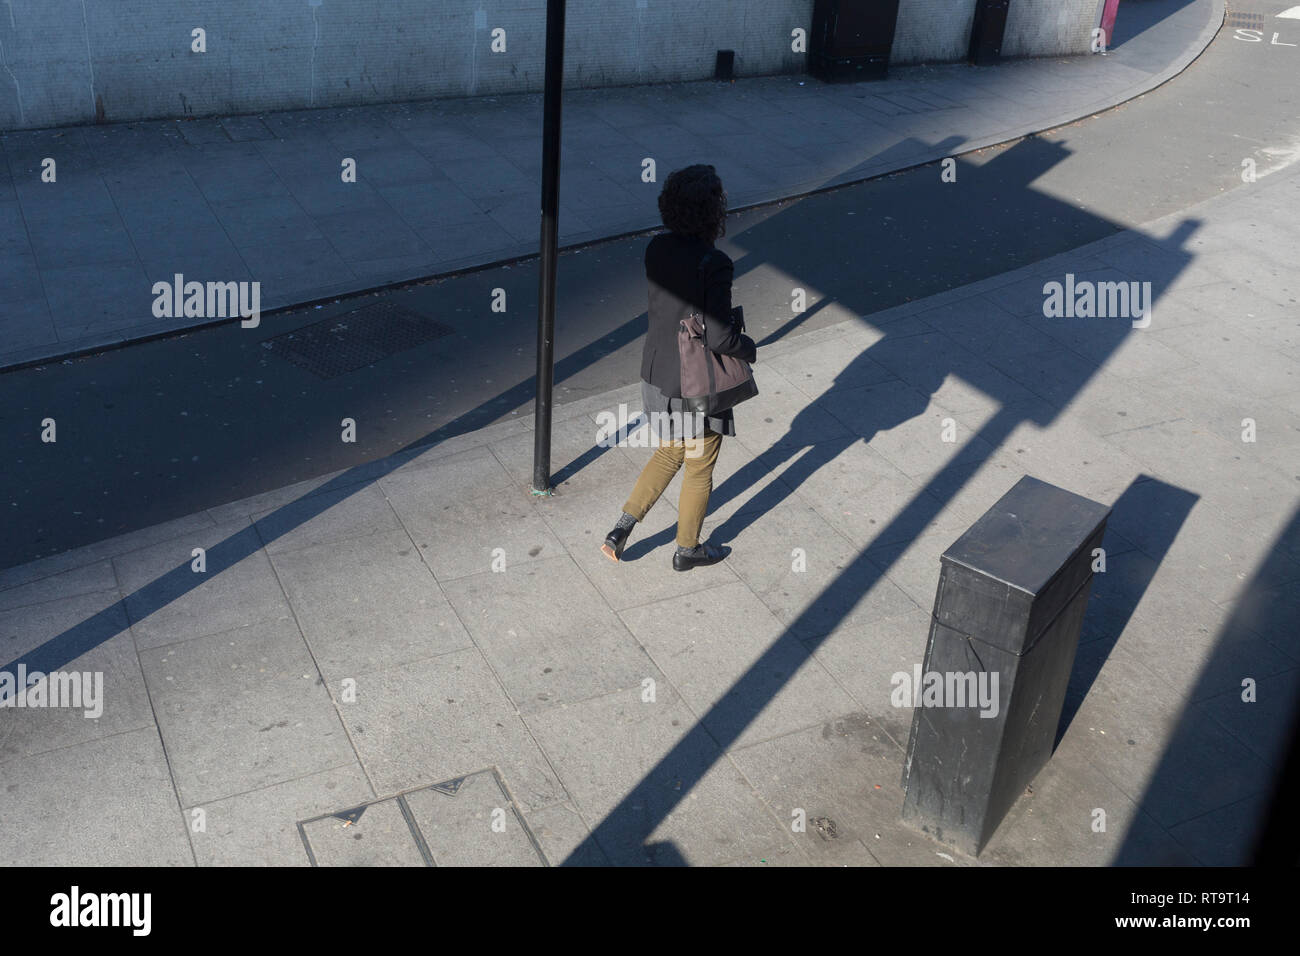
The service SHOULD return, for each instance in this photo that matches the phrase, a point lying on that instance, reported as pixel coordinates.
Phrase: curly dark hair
(693, 203)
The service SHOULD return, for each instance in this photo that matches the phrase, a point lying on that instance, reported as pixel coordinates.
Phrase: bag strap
(704, 304)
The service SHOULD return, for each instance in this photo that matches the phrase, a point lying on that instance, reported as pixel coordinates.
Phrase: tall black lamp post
(549, 244)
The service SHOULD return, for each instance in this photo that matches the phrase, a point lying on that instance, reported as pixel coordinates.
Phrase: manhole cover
(345, 343)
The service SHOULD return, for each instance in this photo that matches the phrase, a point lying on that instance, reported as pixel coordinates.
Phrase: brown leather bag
(712, 383)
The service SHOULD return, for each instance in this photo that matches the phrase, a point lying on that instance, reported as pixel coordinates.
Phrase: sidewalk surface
(452, 184)
(380, 665)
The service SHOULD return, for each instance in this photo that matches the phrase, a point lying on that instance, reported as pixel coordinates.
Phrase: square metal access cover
(345, 343)
(468, 821)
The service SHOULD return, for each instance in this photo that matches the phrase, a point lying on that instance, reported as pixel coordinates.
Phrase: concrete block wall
(932, 31)
(83, 61)
(73, 61)
(1050, 27)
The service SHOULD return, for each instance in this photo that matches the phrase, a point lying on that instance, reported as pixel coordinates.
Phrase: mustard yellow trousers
(699, 455)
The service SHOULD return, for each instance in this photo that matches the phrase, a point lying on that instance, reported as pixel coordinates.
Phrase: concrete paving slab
(243, 129)
(272, 219)
(21, 273)
(367, 604)
(1179, 634)
(325, 518)
(275, 721)
(259, 828)
(86, 579)
(1106, 405)
(563, 837)
(733, 662)
(441, 718)
(1023, 295)
(1204, 768)
(781, 856)
(477, 825)
(1092, 712)
(99, 688)
(546, 632)
(1221, 837)
(79, 240)
(607, 751)
(862, 496)
(83, 195)
(817, 368)
(1259, 724)
(864, 660)
(1058, 819)
(907, 429)
(579, 464)
(169, 601)
(788, 418)
(472, 494)
(645, 574)
(109, 547)
(1068, 455)
(985, 329)
(965, 493)
(116, 806)
(1188, 454)
(120, 301)
(828, 593)
(1217, 558)
(1240, 362)
(829, 775)
(1226, 413)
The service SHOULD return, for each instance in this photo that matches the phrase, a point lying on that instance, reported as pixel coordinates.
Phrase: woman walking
(685, 274)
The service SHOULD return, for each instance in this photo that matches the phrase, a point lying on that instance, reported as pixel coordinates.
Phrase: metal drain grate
(1254, 20)
(345, 343)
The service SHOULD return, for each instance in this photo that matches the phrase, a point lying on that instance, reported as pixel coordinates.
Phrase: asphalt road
(161, 429)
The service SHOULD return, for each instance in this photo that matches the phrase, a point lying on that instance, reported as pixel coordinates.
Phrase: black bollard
(1010, 604)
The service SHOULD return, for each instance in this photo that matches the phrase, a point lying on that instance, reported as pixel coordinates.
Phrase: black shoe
(614, 542)
(704, 554)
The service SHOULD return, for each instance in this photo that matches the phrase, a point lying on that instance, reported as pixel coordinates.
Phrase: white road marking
(1279, 157)
(1292, 14)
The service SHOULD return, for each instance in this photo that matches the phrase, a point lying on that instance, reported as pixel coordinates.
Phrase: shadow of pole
(1227, 779)
(1161, 509)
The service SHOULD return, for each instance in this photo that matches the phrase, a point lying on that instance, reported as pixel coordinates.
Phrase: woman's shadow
(872, 408)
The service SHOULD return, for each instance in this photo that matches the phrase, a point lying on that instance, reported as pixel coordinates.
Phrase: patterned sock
(681, 550)
(625, 521)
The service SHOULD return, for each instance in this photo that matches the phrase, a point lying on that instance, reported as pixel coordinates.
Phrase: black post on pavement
(987, 701)
(549, 243)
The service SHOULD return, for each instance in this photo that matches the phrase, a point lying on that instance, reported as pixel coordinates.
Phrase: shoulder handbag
(711, 383)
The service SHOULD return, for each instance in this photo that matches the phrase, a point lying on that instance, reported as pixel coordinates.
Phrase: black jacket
(685, 274)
